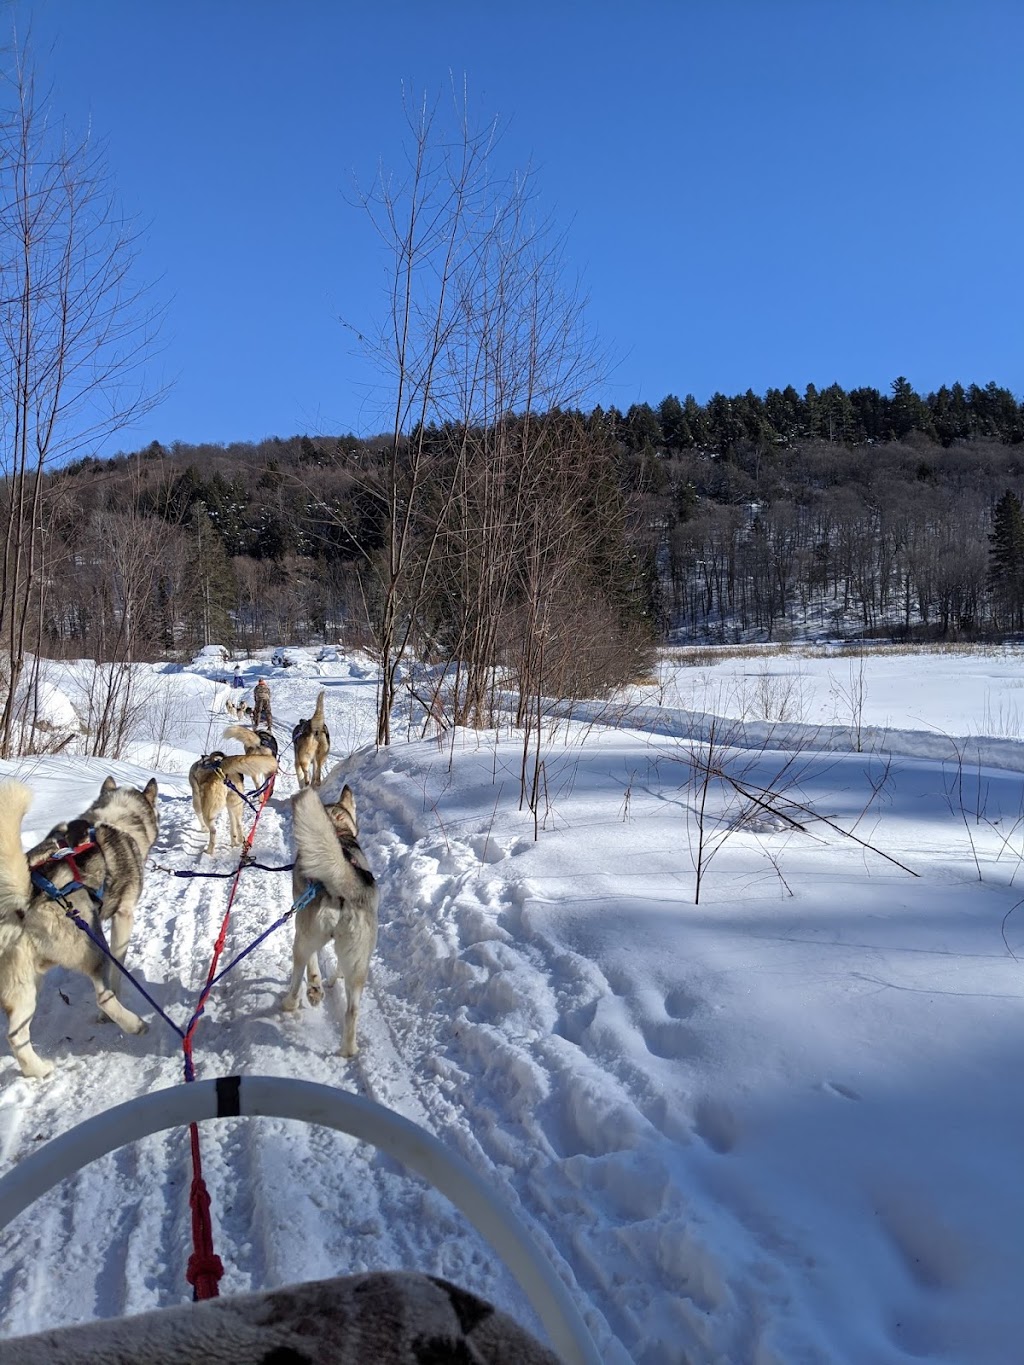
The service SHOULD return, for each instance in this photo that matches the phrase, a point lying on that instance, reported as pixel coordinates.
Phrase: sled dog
(35, 932)
(312, 741)
(210, 775)
(111, 862)
(344, 908)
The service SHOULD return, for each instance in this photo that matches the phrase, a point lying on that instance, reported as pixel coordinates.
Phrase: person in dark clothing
(261, 715)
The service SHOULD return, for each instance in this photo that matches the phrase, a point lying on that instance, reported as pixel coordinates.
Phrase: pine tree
(836, 417)
(907, 411)
(642, 428)
(674, 429)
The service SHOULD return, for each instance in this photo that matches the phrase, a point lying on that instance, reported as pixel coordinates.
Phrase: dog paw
(290, 1002)
(352, 1051)
(38, 1070)
(136, 1025)
(315, 994)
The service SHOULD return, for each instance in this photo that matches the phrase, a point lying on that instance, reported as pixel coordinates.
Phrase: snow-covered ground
(781, 1125)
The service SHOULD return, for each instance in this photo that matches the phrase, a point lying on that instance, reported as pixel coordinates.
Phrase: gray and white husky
(344, 908)
(112, 840)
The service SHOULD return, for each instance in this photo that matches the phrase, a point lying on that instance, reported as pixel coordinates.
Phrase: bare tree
(74, 335)
(476, 330)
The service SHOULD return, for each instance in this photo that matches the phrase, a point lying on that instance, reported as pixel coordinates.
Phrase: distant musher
(238, 680)
(261, 715)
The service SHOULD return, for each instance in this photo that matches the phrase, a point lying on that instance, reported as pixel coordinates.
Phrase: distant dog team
(93, 865)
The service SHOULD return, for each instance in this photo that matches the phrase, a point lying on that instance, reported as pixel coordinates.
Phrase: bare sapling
(850, 700)
(725, 798)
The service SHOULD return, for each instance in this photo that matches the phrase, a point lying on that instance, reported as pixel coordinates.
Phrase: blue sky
(755, 192)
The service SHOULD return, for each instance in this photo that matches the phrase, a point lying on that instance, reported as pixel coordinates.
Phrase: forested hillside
(828, 512)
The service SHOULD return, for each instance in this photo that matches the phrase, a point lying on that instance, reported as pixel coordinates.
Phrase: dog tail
(316, 723)
(15, 883)
(259, 764)
(318, 854)
(249, 739)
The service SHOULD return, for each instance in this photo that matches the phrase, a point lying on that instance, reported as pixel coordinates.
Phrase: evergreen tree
(642, 429)
(675, 431)
(696, 422)
(211, 591)
(836, 415)
(868, 415)
(907, 411)
(724, 429)
(810, 421)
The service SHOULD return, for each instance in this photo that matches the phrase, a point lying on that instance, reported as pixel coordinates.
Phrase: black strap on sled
(188, 872)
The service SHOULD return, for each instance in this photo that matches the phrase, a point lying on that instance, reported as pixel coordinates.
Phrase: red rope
(205, 1267)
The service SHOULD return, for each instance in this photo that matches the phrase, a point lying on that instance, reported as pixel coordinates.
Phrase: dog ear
(109, 785)
(347, 802)
(149, 791)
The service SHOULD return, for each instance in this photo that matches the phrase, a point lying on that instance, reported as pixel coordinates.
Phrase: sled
(388, 1317)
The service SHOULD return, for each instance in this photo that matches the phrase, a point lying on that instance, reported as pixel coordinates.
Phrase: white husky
(344, 908)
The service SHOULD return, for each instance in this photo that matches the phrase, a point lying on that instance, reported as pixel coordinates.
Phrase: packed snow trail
(269, 1180)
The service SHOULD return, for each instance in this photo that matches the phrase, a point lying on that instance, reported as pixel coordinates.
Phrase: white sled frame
(281, 1097)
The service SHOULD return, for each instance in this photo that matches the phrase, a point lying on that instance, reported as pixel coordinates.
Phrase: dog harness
(61, 894)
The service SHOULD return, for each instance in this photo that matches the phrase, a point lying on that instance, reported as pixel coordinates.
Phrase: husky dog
(111, 861)
(312, 741)
(344, 908)
(35, 933)
(209, 777)
(230, 708)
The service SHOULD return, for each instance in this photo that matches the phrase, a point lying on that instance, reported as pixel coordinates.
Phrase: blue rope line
(311, 890)
(256, 792)
(104, 948)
